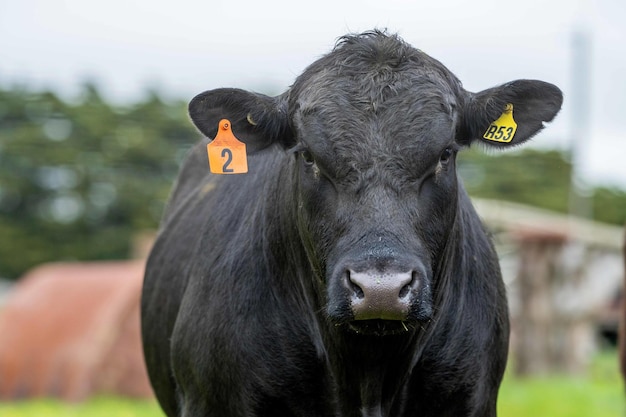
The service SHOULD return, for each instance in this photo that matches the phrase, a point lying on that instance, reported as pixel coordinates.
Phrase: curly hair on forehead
(382, 50)
(374, 65)
(375, 46)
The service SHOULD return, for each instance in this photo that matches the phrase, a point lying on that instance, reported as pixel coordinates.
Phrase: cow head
(373, 129)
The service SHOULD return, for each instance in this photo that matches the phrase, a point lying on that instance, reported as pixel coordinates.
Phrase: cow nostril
(358, 291)
(404, 291)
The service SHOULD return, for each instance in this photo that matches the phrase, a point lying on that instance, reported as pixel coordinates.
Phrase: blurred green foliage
(537, 178)
(79, 177)
(525, 176)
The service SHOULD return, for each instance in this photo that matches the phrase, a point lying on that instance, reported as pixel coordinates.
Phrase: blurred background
(93, 127)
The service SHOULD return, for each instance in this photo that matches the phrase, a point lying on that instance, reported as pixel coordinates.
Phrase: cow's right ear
(510, 114)
(256, 119)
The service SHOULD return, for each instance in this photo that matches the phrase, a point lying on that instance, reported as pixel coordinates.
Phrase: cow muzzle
(388, 293)
(379, 286)
(380, 294)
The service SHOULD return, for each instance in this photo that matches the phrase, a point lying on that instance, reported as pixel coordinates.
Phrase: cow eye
(307, 157)
(446, 155)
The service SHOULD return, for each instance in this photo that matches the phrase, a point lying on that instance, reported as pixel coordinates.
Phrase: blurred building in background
(72, 330)
(564, 279)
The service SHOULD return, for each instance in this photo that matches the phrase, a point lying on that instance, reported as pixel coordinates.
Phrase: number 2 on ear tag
(227, 155)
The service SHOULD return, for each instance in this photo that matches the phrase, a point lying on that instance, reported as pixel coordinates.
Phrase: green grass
(600, 394)
(97, 407)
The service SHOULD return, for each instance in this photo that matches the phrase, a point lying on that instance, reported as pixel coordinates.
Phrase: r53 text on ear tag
(227, 155)
(503, 129)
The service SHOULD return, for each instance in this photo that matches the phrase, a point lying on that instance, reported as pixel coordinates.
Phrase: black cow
(346, 274)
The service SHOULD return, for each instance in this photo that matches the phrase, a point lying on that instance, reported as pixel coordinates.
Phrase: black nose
(385, 295)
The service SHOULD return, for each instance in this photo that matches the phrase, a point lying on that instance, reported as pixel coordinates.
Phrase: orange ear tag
(227, 155)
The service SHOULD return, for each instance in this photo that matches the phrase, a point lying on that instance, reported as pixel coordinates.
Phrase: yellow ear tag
(503, 129)
(227, 155)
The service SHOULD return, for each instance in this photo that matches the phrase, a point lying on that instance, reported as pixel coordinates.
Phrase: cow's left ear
(256, 119)
(510, 114)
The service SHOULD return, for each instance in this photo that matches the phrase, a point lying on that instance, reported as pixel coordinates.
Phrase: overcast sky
(184, 47)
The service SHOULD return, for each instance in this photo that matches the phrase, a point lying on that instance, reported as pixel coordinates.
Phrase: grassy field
(600, 394)
(98, 407)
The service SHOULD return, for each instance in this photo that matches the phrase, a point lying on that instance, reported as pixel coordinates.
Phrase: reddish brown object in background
(71, 330)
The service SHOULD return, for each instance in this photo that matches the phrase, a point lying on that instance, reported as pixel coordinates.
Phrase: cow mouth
(378, 327)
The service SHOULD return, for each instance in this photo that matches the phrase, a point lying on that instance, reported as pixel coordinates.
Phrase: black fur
(245, 307)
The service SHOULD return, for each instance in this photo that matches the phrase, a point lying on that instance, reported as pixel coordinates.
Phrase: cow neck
(448, 259)
(446, 264)
(368, 371)
(287, 255)
(457, 268)
(290, 267)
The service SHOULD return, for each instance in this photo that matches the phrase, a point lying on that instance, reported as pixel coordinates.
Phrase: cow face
(373, 129)
(376, 182)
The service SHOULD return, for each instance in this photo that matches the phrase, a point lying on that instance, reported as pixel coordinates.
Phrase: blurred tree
(78, 178)
(534, 177)
(527, 176)
(609, 205)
